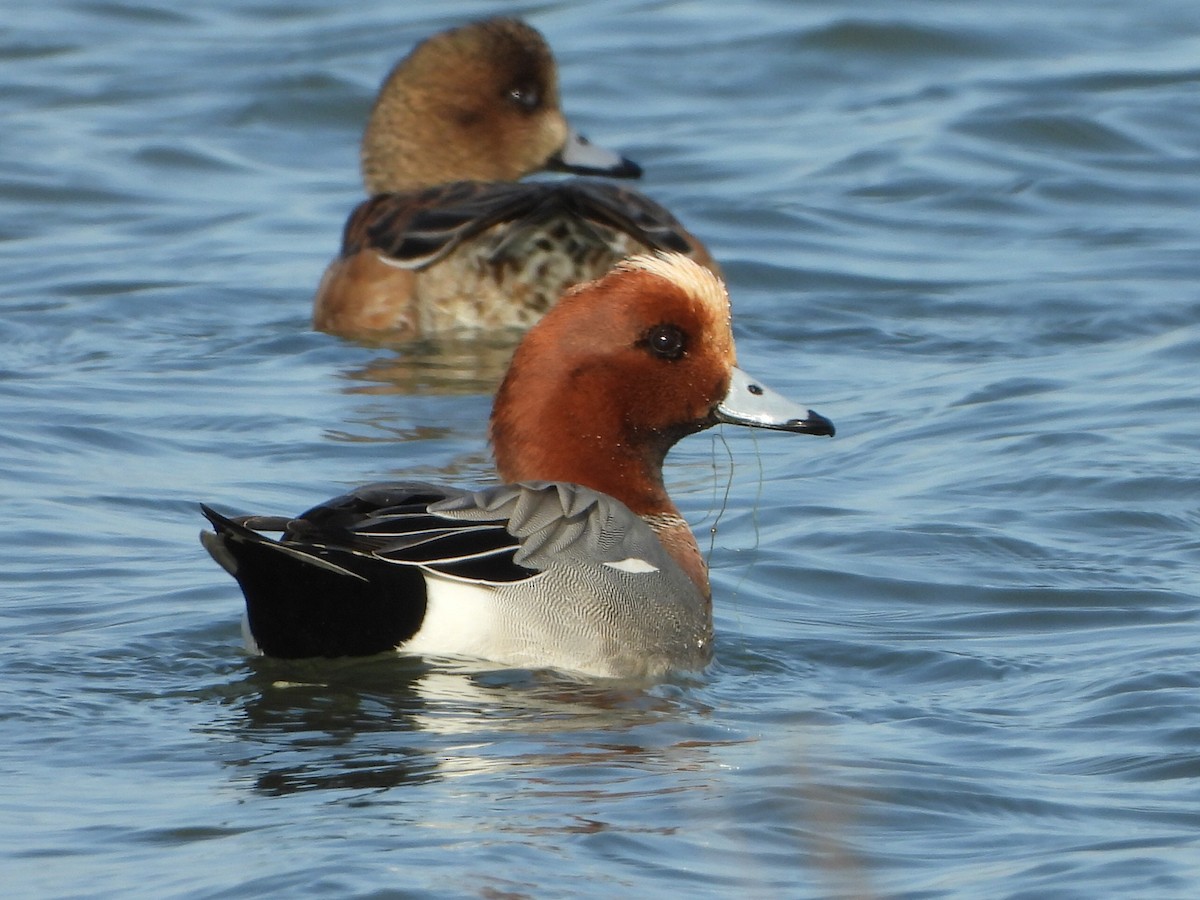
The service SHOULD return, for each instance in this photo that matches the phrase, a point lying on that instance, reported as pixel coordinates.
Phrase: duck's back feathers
(415, 230)
(528, 574)
(473, 256)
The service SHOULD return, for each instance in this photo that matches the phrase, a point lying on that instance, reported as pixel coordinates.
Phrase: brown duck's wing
(415, 230)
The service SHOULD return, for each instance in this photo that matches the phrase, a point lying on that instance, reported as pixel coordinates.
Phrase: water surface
(956, 645)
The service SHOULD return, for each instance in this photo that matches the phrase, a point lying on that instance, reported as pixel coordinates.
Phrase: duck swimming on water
(579, 560)
(450, 240)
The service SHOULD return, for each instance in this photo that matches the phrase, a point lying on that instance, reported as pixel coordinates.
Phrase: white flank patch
(460, 619)
(632, 564)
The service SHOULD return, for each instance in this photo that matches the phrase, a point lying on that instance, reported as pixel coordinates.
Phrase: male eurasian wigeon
(450, 240)
(579, 560)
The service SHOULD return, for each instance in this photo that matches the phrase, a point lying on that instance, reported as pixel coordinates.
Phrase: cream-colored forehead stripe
(694, 278)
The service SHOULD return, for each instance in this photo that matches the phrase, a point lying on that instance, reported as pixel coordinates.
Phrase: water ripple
(955, 648)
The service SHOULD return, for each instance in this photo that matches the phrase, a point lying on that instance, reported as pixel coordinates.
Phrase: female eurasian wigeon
(580, 560)
(449, 239)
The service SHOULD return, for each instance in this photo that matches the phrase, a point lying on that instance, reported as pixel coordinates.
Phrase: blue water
(957, 645)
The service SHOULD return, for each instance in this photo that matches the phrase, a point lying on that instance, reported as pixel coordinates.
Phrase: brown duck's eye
(666, 341)
(525, 96)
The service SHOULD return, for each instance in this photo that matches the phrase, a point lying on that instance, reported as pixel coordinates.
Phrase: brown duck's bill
(750, 402)
(581, 156)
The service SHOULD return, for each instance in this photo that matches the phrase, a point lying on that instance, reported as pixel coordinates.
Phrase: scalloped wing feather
(415, 230)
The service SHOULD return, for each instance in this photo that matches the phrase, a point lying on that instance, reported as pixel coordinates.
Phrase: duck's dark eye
(525, 96)
(666, 341)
